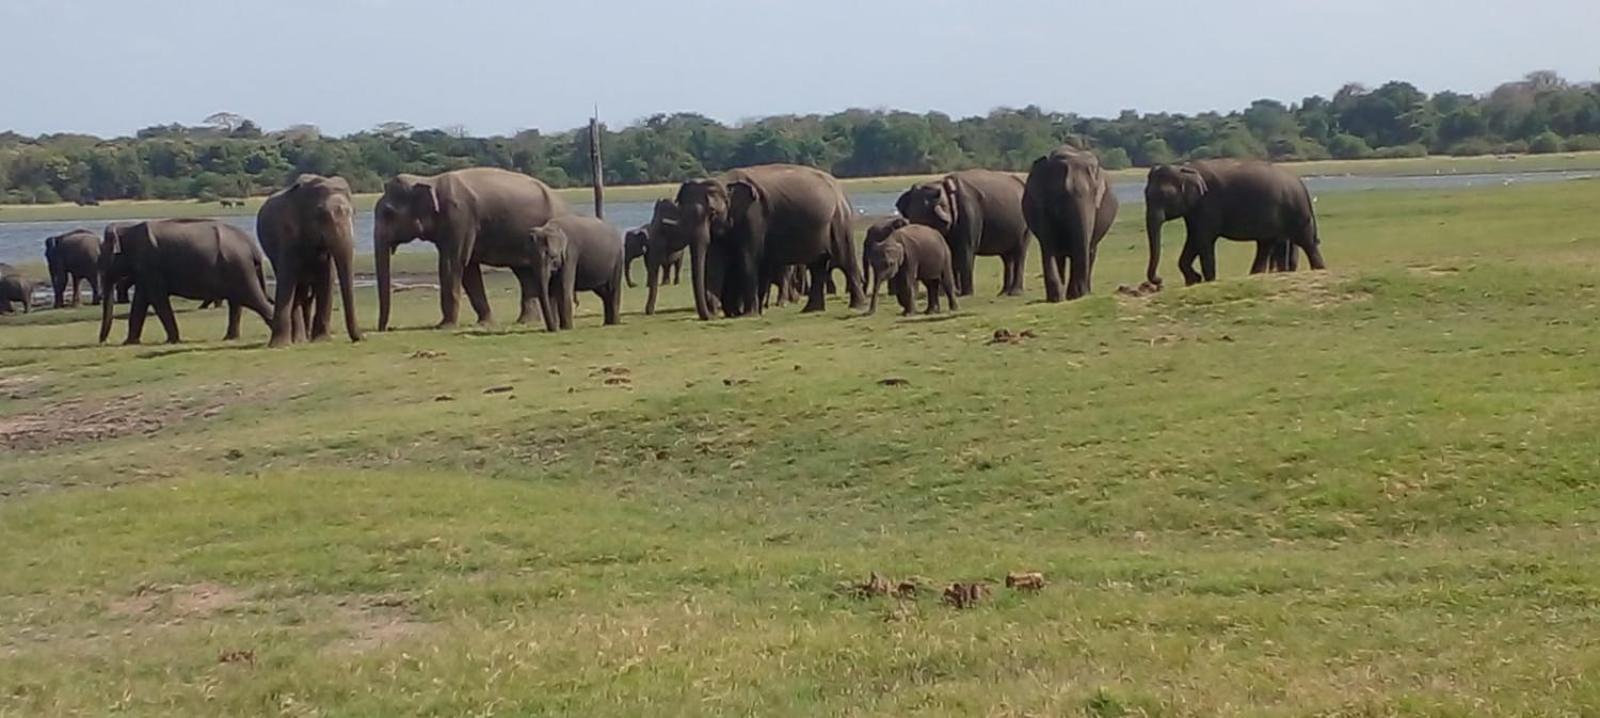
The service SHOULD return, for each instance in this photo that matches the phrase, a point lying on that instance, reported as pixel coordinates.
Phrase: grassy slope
(123, 209)
(1364, 492)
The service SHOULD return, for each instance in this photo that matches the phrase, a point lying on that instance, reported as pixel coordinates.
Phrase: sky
(109, 67)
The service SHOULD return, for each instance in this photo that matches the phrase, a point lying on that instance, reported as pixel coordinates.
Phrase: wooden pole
(596, 166)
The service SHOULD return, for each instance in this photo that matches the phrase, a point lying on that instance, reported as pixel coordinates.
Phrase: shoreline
(1398, 168)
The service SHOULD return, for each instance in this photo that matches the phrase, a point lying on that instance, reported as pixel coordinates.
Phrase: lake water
(24, 241)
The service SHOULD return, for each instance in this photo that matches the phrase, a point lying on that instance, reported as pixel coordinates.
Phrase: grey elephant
(1068, 204)
(878, 232)
(15, 288)
(1241, 200)
(192, 258)
(757, 221)
(308, 234)
(666, 239)
(910, 254)
(980, 214)
(73, 258)
(636, 244)
(572, 254)
(474, 217)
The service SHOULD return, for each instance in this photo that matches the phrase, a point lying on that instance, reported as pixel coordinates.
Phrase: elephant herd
(744, 233)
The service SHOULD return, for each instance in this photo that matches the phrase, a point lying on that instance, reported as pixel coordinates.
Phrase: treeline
(230, 156)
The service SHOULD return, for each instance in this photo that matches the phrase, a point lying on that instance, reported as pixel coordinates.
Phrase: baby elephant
(911, 254)
(15, 289)
(572, 254)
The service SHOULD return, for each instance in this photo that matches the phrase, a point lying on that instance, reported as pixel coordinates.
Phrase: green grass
(124, 209)
(1369, 491)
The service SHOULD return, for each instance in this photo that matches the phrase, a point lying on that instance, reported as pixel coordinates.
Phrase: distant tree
(227, 122)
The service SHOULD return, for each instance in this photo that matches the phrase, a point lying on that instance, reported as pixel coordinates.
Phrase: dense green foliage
(230, 156)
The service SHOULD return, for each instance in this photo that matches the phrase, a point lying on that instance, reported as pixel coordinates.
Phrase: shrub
(1400, 152)
(1472, 147)
(1546, 143)
(1115, 158)
(1582, 143)
(1349, 147)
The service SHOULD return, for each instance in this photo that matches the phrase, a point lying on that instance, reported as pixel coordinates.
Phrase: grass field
(1369, 491)
(124, 209)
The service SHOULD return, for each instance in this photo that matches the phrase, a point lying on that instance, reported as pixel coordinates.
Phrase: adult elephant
(73, 258)
(666, 242)
(758, 221)
(307, 231)
(1241, 200)
(477, 216)
(979, 212)
(1069, 206)
(193, 258)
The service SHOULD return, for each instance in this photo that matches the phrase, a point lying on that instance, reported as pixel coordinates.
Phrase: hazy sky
(495, 66)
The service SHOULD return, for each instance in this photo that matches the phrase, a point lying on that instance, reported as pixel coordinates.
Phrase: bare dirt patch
(374, 623)
(175, 603)
(21, 386)
(77, 420)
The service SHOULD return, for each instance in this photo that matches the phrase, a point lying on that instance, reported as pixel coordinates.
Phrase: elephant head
(876, 234)
(1170, 192)
(883, 259)
(408, 210)
(702, 213)
(323, 206)
(932, 204)
(550, 249)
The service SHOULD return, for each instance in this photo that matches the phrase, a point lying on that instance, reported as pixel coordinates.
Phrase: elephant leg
(1019, 265)
(450, 284)
(528, 282)
(138, 307)
(1208, 260)
(1079, 270)
(610, 300)
(58, 286)
(1307, 241)
(653, 274)
(286, 327)
(77, 291)
(472, 282)
(162, 303)
(1264, 260)
(969, 265)
(677, 272)
(816, 300)
(94, 290)
(1052, 278)
(905, 292)
(567, 297)
(932, 286)
(321, 302)
(234, 311)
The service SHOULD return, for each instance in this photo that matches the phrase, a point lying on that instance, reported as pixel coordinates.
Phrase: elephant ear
(424, 200)
(1193, 183)
(742, 195)
(665, 213)
(948, 208)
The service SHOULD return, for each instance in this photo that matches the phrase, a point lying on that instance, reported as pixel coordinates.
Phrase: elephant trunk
(543, 277)
(699, 246)
(383, 253)
(877, 284)
(1153, 219)
(106, 308)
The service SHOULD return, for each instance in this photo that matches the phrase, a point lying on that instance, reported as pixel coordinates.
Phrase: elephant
(664, 239)
(308, 232)
(637, 244)
(574, 253)
(193, 258)
(980, 214)
(912, 253)
(476, 216)
(756, 222)
(15, 288)
(1068, 204)
(1241, 200)
(73, 257)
